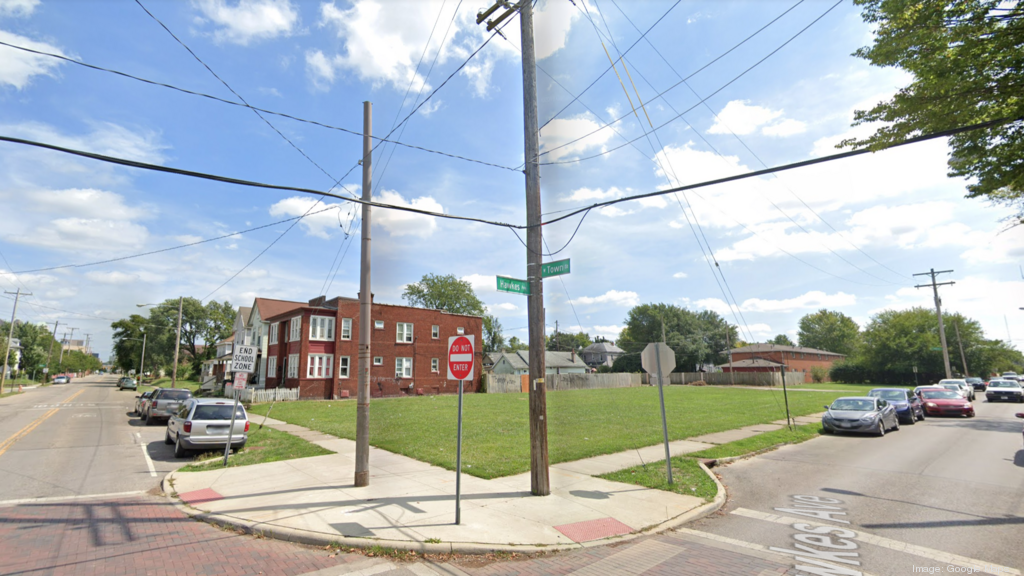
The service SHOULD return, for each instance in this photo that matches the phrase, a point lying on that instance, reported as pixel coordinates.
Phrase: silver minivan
(202, 424)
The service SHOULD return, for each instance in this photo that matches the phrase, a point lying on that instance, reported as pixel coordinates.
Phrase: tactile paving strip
(593, 529)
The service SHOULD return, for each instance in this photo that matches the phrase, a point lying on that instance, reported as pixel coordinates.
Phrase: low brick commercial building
(315, 348)
(773, 357)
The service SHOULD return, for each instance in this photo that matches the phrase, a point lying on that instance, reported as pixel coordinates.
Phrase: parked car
(62, 379)
(1010, 376)
(908, 407)
(1008, 390)
(127, 383)
(967, 389)
(977, 383)
(946, 402)
(202, 424)
(1019, 414)
(165, 403)
(917, 391)
(860, 414)
(140, 401)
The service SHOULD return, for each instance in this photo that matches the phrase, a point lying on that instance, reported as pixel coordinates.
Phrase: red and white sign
(460, 357)
(240, 379)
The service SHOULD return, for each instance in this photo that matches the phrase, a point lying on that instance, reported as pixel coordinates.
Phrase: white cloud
(401, 223)
(787, 127)
(582, 131)
(17, 68)
(77, 235)
(249, 20)
(481, 282)
(320, 224)
(613, 297)
(503, 307)
(119, 278)
(187, 238)
(17, 8)
(809, 301)
(610, 332)
(105, 138)
(758, 331)
(742, 118)
(320, 70)
(84, 203)
(680, 275)
(590, 194)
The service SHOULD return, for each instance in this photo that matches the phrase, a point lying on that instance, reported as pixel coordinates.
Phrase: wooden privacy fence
(505, 383)
(254, 396)
(726, 379)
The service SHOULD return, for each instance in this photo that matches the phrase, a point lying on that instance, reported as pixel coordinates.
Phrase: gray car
(202, 424)
(164, 403)
(860, 414)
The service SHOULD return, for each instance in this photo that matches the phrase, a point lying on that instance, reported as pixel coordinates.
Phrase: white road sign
(240, 379)
(243, 359)
(460, 357)
(657, 357)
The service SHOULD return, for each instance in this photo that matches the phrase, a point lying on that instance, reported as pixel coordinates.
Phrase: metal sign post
(240, 380)
(658, 358)
(461, 362)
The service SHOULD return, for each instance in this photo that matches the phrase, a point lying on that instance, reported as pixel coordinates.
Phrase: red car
(943, 402)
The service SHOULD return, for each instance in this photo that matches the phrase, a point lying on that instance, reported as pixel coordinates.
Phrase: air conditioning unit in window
(411, 384)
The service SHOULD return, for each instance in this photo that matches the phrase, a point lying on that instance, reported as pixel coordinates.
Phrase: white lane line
(149, 461)
(64, 498)
(929, 553)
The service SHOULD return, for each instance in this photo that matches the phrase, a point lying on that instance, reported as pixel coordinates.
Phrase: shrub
(818, 374)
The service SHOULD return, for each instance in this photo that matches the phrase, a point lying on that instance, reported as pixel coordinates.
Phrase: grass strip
(761, 441)
(687, 478)
(266, 445)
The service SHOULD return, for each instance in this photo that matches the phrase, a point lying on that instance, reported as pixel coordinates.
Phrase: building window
(378, 324)
(273, 333)
(320, 366)
(346, 328)
(435, 365)
(435, 332)
(404, 332)
(294, 330)
(378, 360)
(403, 367)
(321, 328)
(343, 364)
(272, 367)
(293, 365)
(460, 330)
(259, 336)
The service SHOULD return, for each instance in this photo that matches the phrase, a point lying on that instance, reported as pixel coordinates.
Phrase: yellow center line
(6, 444)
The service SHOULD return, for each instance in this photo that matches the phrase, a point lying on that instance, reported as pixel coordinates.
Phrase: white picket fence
(254, 396)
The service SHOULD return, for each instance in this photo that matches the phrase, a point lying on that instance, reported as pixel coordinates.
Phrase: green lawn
(687, 478)
(581, 423)
(266, 445)
(166, 383)
(850, 389)
(760, 442)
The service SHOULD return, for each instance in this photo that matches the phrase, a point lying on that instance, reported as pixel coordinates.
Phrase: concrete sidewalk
(411, 505)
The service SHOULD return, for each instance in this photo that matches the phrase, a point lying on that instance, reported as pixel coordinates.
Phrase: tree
(128, 342)
(565, 341)
(444, 293)
(696, 337)
(201, 328)
(782, 340)
(494, 340)
(965, 58)
(829, 330)
(515, 344)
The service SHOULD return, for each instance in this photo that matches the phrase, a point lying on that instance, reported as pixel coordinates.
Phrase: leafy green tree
(494, 340)
(565, 341)
(444, 293)
(782, 340)
(696, 337)
(829, 330)
(515, 344)
(202, 326)
(965, 58)
(128, 342)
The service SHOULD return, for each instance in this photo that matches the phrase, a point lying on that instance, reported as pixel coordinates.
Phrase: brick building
(315, 348)
(772, 357)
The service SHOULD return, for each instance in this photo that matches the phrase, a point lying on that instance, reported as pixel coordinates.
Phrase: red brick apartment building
(772, 357)
(315, 348)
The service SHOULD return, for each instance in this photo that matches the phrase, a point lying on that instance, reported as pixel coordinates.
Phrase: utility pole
(938, 311)
(49, 354)
(177, 344)
(558, 345)
(10, 334)
(960, 343)
(63, 339)
(88, 339)
(142, 357)
(362, 472)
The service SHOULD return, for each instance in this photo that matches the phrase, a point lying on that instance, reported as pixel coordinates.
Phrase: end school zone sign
(243, 359)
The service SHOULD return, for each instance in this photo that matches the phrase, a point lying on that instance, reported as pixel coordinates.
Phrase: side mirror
(826, 407)
(1020, 414)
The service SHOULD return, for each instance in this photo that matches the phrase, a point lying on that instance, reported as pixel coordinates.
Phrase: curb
(320, 539)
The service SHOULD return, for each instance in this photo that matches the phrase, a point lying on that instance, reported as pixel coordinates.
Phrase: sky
(705, 90)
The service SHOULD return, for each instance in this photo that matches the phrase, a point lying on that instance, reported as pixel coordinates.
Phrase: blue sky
(842, 235)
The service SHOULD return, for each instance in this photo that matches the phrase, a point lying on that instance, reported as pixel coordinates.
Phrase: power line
(256, 108)
(723, 87)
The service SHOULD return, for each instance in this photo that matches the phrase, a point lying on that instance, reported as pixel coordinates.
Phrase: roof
(604, 348)
(520, 360)
(244, 312)
(782, 348)
(270, 307)
(227, 340)
(752, 363)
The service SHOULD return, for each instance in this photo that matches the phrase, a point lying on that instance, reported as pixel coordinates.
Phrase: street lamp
(177, 341)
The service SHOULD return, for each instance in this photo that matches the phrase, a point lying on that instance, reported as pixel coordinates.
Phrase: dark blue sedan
(908, 406)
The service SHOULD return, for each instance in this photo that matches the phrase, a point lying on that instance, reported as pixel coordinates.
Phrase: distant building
(518, 363)
(14, 357)
(601, 354)
(773, 357)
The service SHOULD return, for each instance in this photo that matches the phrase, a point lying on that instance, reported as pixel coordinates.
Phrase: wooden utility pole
(938, 311)
(539, 482)
(960, 343)
(10, 334)
(362, 472)
(177, 344)
(53, 338)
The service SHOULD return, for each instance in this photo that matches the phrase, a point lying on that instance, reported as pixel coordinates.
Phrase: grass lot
(6, 394)
(266, 445)
(760, 442)
(687, 478)
(581, 423)
(850, 389)
(166, 383)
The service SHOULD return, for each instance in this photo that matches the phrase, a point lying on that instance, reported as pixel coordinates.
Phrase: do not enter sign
(460, 357)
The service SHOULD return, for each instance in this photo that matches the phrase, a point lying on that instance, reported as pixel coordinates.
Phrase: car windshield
(951, 386)
(853, 404)
(175, 395)
(898, 395)
(940, 394)
(973, 380)
(217, 412)
(1002, 384)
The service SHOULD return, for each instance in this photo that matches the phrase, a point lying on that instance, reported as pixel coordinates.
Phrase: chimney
(318, 301)
(573, 355)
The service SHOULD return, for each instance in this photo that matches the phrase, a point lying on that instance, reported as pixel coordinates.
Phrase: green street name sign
(937, 349)
(554, 268)
(514, 286)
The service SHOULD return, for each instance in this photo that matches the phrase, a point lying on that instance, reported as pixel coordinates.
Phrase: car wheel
(896, 424)
(179, 450)
(143, 417)
(881, 427)
(149, 420)
(167, 438)
(913, 418)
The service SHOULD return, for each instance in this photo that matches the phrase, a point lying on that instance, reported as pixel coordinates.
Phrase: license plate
(216, 429)
(844, 425)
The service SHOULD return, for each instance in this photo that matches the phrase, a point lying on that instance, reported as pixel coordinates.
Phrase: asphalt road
(942, 486)
(78, 439)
